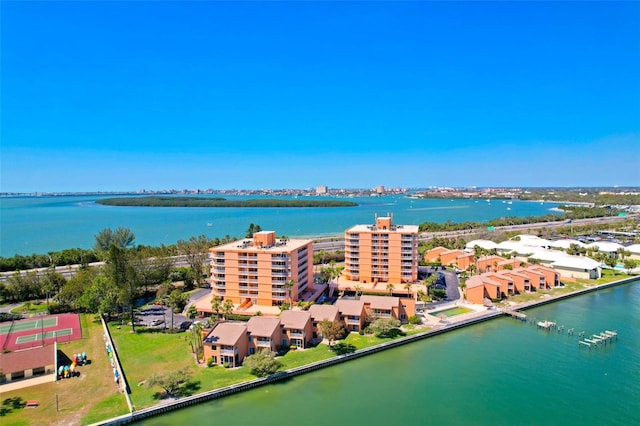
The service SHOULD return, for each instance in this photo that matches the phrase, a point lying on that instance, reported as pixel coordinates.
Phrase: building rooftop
(294, 319)
(16, 361)
(322, 312)
(226, 333)
(381, 302)
(350, 307)
(246, 245)
(262, 326)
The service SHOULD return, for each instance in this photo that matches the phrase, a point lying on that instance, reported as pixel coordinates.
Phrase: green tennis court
(47, 335)
(26, 325)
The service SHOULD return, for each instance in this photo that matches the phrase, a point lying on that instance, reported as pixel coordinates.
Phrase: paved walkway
(11, 386)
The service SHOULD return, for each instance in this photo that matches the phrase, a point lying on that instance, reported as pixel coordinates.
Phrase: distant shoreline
(191, 202)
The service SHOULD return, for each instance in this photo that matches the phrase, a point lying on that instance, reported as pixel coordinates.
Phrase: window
(250, 339)
(213, 347)
(252, 351)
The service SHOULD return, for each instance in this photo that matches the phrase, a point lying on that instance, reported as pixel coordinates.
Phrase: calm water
(501, 372)
(42, 224)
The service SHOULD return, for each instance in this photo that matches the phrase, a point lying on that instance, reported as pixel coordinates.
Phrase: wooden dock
(547, 325)
(517, 315)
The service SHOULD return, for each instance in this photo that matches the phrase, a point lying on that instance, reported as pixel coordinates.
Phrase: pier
(596, 340)
(547, 325)
(521, 316)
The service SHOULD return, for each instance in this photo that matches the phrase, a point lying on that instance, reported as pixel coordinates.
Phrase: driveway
(453, 292)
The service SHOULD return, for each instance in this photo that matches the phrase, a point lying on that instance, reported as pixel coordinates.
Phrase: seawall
(233, 389)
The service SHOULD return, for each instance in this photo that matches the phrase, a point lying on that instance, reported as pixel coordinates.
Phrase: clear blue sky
(130, 95)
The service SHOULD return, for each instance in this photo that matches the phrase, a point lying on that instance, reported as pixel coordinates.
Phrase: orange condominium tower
(256, 271)
(382, 252)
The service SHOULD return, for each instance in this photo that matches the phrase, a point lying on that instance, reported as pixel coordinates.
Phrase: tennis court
(28, 325)
(47, 335)
(43, 330)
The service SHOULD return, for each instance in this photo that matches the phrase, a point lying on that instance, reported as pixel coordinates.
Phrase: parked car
(157, 322)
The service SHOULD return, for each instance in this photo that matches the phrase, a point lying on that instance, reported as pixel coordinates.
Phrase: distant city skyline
(121, 96)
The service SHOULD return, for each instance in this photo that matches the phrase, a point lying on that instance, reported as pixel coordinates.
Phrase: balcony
(263, 343)
(228, 351)
(297, 335)
(353, 321)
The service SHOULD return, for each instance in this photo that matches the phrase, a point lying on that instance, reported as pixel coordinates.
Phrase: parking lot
(158, 316)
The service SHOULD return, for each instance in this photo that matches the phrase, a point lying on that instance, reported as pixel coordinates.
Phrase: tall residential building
(321, 189)
(255, 271)
(382, 252)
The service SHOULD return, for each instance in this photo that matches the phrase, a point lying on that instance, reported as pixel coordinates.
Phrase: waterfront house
(389, 307)
(488, 263)
(296, 328)
(353, 313)
(479, 288)
(263, 333)
(521, 282)
(320, 313)
(506, 285)
(227, 343)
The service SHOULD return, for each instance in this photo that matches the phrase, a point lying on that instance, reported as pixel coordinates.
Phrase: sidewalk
(11, 386)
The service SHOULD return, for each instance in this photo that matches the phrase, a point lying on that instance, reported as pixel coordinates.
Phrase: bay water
(51, 223)
(500, 372)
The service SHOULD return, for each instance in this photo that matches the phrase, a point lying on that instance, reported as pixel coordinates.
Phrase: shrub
(263, 363)
(361, 332)
(414, 319)
(226, 365)
(210, 362)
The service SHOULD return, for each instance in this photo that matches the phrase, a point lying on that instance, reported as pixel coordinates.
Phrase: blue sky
(155, 95)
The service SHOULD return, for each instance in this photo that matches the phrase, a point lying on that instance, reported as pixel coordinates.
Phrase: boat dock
(517, 315)
(547, 325)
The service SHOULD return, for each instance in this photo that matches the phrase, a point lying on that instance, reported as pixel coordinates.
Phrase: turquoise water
(502, 372)
(41, 224)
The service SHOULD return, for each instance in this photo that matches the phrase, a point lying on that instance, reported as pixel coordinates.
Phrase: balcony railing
(297, 335)
(264, 343)
(227, 352)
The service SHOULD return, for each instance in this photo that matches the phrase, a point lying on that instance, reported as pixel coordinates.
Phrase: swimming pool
(451, 312)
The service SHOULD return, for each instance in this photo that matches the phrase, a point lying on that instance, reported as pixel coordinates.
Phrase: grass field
(82, 400)
(145, 353)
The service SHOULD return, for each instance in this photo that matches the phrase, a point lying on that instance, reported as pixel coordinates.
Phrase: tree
(385, 327)
(113, 245)
(195, 339)
(176, 301)
(390, 288)
(407, 287)
(171, 382)
(51, 283)
(192, 312)
(630, 264)
(611, 262)
(216, 306)
(252, 230)
(227, 308)
(262, 363)
(332, 330)
(288, 286)
(358, 289)
(196, 252)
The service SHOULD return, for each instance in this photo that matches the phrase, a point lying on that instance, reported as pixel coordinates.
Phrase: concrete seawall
(233, 389)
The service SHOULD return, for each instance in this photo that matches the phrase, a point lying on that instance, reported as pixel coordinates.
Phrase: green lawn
(34, 308)
(145, 353)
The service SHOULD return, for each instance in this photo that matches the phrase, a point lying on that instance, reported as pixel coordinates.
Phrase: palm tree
(407, 287)
(288, 286)
(227, 308)
(216, 305)
(390, 288)
(358, 289)
(195, 339)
